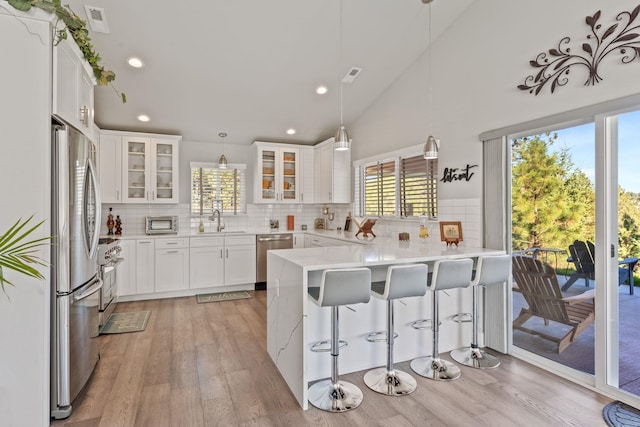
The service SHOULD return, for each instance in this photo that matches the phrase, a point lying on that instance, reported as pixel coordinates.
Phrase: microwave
(161, 224)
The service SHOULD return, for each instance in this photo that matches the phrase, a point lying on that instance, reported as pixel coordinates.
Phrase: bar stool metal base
(435, 368)
(341, 397)
(391, 383)
(474, 357)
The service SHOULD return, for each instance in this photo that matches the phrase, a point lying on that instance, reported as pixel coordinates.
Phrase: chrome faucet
(213, 217)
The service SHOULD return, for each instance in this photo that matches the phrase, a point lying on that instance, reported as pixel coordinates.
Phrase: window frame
(236, 208)
(397, 157)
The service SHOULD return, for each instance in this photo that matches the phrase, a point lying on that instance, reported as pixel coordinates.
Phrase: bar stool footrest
(325, 346)
(422, 324)
(380, 336)
(461, 318)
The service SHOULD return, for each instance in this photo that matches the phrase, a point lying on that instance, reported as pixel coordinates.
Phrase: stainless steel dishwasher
(266, 242)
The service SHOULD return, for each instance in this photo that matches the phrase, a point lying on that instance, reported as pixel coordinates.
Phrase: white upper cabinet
(278, 173)
(110, 168)
(73, 87)
(332, 171)
(306, 175)
(138, 168)
(151, 169)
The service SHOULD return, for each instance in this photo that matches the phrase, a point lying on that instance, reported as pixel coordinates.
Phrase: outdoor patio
(579, 355)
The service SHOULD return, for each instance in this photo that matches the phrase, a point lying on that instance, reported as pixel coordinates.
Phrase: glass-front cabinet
(164, 190)
(151, 171)
(278, 168)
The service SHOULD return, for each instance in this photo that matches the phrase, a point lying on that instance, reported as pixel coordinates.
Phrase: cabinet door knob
(84, 115)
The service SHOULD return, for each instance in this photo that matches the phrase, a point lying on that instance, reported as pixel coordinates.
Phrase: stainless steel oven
(109, 258)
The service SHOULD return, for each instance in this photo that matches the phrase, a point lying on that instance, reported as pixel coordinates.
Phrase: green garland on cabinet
(78, 29)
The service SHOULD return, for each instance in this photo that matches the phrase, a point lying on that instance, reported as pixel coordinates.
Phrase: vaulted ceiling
(250, 67)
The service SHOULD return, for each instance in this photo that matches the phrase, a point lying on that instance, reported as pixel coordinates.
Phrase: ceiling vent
(351, 75)
(97, 19)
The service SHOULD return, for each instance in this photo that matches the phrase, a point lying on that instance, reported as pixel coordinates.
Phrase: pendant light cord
(430, 68)
(340, 65)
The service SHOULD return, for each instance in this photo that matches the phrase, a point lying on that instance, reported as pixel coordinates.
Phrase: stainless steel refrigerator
(75, 223)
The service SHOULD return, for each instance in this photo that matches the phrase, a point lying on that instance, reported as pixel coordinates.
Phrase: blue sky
(581, 142)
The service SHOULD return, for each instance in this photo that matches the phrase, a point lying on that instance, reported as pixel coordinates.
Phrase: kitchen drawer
(204, 242)
(175, 242)
(240, 240)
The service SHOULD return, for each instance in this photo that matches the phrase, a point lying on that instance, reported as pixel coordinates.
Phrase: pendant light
(222, 162)
(341, 139)
(431, 146)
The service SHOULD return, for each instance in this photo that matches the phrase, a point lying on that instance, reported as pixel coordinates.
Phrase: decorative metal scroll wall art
(622, 36)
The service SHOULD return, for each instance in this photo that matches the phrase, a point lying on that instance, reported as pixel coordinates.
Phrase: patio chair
(582, 258)
(538, 283)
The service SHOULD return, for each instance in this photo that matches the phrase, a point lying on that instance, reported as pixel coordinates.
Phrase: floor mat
(222, 296)
(617, 414)
(120, 323)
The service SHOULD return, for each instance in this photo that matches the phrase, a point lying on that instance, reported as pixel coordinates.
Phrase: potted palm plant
(18, 252)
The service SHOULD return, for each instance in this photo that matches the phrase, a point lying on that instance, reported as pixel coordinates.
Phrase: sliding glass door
(621, 136)
(575, 216)
(553, 223)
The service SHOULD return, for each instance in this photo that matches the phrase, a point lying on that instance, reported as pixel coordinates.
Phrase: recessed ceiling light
(321, 90)
(135, 62)
(291, 131)
(143, 118)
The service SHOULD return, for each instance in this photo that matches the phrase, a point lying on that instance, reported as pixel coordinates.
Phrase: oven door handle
(90, 291)
(108, 268)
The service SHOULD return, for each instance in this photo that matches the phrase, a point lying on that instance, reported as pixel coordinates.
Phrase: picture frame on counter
(451, 232)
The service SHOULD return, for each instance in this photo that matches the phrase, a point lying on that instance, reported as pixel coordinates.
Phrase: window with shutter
(380, 189)
(215, 188)
(401, 184)
(418, 186)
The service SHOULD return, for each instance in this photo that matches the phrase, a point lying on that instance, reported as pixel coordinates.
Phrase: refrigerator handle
(90, 291)
(98, 217)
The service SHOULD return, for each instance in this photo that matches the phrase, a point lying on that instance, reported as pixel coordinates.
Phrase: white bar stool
(338, 287)
(447, 274)
(490, 270)
(409, 280)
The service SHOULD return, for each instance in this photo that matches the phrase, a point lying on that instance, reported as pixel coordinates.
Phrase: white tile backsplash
(467, 211)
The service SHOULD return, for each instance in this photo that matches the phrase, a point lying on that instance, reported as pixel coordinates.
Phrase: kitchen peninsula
(294, 323)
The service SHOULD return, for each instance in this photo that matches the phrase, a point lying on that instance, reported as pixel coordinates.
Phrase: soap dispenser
(424, 231)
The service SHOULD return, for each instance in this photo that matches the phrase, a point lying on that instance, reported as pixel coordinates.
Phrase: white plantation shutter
(214, 188)
(380, 189)
(400, 184)
(418, 187)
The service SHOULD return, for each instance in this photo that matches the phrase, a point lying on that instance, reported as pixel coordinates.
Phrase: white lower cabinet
(206, 261)
(161, 265)
(240, 260)
(298, 240)
(126, 271)
(145, 266)
(172, 264)
(222, 261)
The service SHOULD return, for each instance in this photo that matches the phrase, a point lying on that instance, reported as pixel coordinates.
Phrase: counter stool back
(490, 270)
(447, 274)
(338, 287)
(403, 281)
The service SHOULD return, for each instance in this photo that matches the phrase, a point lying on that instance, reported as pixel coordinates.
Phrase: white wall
(25, 111)
(477, 64)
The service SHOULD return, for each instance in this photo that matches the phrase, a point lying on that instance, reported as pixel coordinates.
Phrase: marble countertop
(381, 251)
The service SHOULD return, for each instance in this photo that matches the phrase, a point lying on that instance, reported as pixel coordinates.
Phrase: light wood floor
(207, 365)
